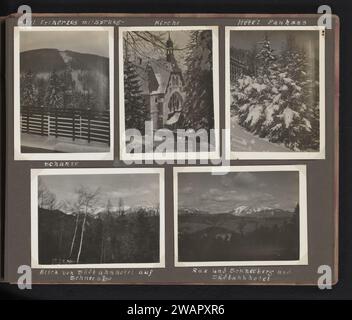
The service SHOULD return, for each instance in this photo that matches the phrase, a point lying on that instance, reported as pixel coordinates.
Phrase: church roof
(155, 75)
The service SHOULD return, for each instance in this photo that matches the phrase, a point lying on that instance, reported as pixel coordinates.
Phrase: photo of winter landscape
(64, 94)
(87, 219)
(168, 81)
(274, 90)
(238, 217)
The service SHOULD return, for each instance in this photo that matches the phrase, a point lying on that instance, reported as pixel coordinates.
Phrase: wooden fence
(88, 124)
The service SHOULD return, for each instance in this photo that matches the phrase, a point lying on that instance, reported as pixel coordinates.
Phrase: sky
(135, 189)
(221, 193)
(92, 42)
(247, 39)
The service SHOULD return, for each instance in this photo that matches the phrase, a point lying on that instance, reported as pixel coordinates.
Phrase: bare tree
(76, 208)
(104, 231)
(46, 199)
(121, 207)
(88, 200)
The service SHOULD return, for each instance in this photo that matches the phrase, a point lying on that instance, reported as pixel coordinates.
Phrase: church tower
(170, 50)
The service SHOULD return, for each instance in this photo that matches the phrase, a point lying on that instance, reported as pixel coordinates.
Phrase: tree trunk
(74, 236)
(82, 234)
(102, 247)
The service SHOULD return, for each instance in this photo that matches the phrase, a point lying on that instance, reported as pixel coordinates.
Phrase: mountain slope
(90, 72)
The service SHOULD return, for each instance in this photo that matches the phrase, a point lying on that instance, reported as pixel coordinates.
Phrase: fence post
(73, 125)
(42, 120)
(27, 119)
(56, 135)
(88, 116)
(48, 115)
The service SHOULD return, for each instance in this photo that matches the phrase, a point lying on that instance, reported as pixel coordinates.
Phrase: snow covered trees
(198, 107)
(28, 92)
(280, 101)
(54, 91)
(136, 113)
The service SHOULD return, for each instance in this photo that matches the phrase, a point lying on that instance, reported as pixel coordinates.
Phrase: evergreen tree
(255, 97)
(68, 87)
(280, 102)
(136, 113)
(28, 90)
(295, 118)
(54, 96)
(41, 90)
(266, 58)
(198, 107)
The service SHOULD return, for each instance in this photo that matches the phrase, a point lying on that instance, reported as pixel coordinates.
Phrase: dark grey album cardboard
(192, 218)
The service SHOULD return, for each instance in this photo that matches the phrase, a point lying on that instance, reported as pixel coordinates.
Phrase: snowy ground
(242, 140)
(203, 146)
(31, 143)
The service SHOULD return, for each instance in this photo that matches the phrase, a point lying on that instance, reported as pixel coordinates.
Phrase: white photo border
(257, 155)
(18, 155)
(171, 155)
(35, 173)
(303, 230)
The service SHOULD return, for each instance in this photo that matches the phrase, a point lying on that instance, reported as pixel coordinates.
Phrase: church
(162, 86)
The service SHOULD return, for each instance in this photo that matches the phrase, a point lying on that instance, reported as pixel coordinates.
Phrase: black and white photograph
(63, 93)
(86, 218)
(243, 216)
(170, 82)
(275, 90)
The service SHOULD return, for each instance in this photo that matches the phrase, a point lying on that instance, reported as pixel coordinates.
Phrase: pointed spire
(169, 49)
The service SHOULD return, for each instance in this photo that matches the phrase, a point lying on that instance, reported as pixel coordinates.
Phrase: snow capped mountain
(247, 211)
(240, 210)
(191, 211)
(243, 211)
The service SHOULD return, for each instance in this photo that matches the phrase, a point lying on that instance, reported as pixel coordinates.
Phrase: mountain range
(245, 211)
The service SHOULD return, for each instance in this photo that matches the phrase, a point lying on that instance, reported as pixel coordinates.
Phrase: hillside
(89, 72)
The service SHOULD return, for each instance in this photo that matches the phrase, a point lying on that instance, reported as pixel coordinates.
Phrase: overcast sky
(220, 193)
(309, 39)
(93, 42)
(134, 189)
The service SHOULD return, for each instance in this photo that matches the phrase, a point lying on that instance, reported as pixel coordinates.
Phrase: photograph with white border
(63, 93)
(275, 92)
(240, 216)
(97, 218)
(169, 93)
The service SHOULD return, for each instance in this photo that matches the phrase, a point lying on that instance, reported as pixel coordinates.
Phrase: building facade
(162, 86)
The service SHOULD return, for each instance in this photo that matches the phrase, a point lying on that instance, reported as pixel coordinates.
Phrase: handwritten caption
(95, 275)
(254, 274)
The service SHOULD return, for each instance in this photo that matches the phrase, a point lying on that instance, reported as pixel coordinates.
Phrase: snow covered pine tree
(280, 102)
(28, 92)
(198, 108)
(54, 96)
(136, 112)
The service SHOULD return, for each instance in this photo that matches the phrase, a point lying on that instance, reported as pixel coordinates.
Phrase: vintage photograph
(244, 216)
(63, 93)
(275, 92)
(97, 218)
(169, 84)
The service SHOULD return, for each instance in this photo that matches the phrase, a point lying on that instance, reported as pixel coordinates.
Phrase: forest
(276, 96)
(226, 237)
(83, 232)
(69, 80)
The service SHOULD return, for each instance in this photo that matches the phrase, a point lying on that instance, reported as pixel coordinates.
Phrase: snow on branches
(280, 101)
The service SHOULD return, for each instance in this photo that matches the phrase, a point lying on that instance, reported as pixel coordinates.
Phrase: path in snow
(242, 140)
(60, 144)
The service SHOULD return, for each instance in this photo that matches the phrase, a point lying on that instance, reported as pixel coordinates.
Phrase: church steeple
(169, 49)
